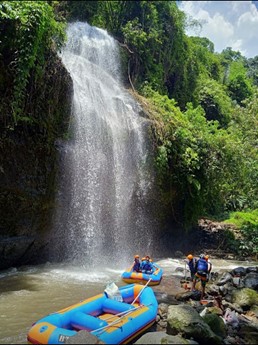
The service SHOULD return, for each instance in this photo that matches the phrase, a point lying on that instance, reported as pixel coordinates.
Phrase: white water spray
(103, 204)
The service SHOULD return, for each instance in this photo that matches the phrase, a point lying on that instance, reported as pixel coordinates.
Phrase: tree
(216, 103)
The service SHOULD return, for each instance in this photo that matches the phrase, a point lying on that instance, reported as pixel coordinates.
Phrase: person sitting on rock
(136, 264)
(201, 273)
(147, 266)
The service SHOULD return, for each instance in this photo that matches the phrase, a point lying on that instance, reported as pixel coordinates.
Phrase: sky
(225, 23)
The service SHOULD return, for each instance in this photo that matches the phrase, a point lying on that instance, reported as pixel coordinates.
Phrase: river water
(31, 292)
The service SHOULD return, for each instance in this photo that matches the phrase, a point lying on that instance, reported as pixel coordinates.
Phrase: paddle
(141, 291)
(116, 321)
(182, 281)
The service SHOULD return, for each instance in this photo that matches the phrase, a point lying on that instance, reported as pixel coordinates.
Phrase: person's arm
(210, 267)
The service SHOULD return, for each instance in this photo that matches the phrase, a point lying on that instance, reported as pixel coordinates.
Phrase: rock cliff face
(28, 162)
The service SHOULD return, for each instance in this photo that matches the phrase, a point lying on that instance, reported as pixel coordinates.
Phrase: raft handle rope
(141, 291)
(116, 321)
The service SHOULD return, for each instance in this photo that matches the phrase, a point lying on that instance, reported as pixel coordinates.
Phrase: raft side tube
(81, 321)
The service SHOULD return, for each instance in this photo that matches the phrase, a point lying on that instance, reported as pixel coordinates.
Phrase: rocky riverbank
(228, 315)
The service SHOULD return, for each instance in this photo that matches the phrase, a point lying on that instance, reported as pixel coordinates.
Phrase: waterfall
(104, 201)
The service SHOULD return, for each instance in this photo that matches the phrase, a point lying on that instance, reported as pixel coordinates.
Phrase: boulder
(226, 277)
(12, 249)
(82, 337)
(239, 271)
(185, 320)
(249, 333)
(251, 280)
(184, 296)
(252, 269)
(163, 338)
(216, 324)
(245, 298)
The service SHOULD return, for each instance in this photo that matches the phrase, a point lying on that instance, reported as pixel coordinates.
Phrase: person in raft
(147, 266)
(137, 264)
(191, 262)
(201, 273)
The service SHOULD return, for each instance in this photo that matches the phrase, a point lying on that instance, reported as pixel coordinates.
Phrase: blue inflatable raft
(111, 321)
(130, 276)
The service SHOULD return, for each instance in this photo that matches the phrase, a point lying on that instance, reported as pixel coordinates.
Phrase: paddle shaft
(141, 291)
(116, 321)
(123, 312)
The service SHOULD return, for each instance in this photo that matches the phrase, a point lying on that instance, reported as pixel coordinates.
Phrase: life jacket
(136, 266)
(192, 265)
(147, 266)
(202, 265)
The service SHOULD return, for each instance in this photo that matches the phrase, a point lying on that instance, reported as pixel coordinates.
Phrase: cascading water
(104, 201)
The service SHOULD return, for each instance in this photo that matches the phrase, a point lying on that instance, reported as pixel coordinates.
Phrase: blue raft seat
(82, 321)
(111, 306)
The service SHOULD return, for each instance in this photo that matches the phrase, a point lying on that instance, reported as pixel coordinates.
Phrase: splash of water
(106, 185)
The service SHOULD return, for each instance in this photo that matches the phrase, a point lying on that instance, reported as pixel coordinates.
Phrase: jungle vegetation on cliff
(204, 105)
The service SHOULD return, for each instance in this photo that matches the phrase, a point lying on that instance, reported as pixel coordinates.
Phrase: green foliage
(243, 218)
(209, 64)
(78, 10)
(252, 69)
(212, 169)
(239, 85)
(35, 31)
(240, 89)
(243, 129)
(230, 55)
(247, 222)
(216, 103)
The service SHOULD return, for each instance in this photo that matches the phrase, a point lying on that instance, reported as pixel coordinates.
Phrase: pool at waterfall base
(111, 321)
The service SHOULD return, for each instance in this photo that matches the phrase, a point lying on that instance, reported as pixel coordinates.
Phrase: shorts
(202, 276)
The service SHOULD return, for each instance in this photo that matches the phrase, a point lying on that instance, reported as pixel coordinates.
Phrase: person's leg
(194, 283)
(203, 282)
(192, 276)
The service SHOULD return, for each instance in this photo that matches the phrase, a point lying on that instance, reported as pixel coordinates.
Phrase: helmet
(202, 256)
(206, 257)
(136, 256)
(143, 258)
(190, 257)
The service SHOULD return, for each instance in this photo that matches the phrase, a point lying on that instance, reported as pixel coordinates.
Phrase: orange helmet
(143, 258)
(206, 257)
(190, 257)
(136, 256)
